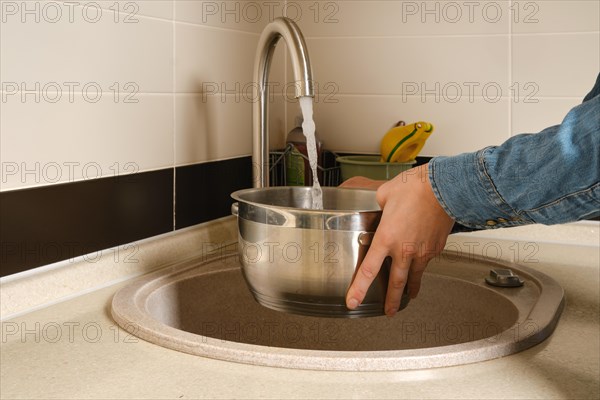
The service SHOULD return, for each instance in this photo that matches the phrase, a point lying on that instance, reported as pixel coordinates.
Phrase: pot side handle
(365, 238)
(235, 209)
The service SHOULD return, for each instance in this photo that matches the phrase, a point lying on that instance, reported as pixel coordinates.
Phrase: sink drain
(501, 277)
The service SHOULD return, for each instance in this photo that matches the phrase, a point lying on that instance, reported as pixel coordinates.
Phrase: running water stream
(308, 128)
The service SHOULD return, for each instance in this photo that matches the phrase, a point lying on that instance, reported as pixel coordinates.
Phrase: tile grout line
(218, 29)
(285, 79)
(286, 103)
(168, 20)
(291, 101)
(449, 36)
(174, 116)
(510, 73)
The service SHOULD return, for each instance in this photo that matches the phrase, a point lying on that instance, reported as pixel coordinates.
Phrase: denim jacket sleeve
(549, 178)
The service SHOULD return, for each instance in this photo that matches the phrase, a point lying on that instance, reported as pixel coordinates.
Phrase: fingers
(413, 229)
(365, 275)
(360, 182)
(399, 277)
(355, 182)
(397, 281)
(416, 274)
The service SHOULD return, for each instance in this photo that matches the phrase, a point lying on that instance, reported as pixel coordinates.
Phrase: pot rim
(237, 195)
(363, 220)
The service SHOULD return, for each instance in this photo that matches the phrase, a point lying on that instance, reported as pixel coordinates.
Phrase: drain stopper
(503, 278)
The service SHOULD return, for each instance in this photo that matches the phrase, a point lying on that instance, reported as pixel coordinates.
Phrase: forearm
(550, 177)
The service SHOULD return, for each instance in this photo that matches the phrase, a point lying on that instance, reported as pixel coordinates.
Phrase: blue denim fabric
(549, 178)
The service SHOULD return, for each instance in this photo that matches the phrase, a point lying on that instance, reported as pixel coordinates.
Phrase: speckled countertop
(60, 342)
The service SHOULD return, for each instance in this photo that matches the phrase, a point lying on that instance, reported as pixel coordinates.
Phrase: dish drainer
(330, 169)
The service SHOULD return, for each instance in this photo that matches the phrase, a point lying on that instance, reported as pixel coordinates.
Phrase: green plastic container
(371, 167)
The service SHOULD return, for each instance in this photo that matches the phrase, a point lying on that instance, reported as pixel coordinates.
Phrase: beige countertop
(67, 346)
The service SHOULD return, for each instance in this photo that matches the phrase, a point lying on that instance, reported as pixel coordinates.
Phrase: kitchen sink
(203, 307)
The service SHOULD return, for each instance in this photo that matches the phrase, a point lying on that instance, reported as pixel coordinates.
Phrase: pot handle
(365, 238)
(235, 209)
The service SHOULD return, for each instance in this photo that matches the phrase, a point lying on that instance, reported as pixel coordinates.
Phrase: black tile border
(46, 224)
(202, 191)
(52, 223)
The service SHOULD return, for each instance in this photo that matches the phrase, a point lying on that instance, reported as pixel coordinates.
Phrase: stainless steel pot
(302, 261)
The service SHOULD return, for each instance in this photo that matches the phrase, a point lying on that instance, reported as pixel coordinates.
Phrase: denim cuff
(467, 193)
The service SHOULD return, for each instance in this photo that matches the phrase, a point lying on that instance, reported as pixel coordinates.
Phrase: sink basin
(204, 307)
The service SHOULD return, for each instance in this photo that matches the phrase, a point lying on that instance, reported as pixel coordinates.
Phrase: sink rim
(129, 305)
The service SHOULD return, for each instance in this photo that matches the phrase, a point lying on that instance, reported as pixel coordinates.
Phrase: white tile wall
(102, 52)
(555, 16)
(128, 11)
(245, 16)
(372, 61)
(540, 113)
(366, 65)
(209, 57)
(355, 123)
(218, 126)
(204, 131)
(46, 143)
(555, 60)
(117, 86)
(541, 57)
(401, 18)
(559, 65)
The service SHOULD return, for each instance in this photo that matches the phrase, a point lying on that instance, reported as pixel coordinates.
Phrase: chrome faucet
(278, 28)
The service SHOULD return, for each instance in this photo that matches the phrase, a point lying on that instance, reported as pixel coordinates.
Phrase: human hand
(413, 229)
(360, 182)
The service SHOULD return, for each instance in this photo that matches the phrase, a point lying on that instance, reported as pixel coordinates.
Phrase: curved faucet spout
(286, 28)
